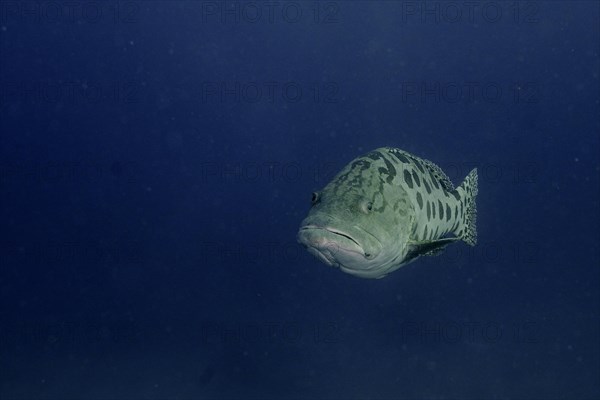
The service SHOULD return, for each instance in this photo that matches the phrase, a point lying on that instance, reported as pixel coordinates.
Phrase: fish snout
(317, 220)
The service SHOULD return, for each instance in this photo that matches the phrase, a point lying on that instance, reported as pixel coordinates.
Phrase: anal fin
(428, 247)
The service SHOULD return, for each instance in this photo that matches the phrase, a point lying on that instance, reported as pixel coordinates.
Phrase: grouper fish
(386, 209)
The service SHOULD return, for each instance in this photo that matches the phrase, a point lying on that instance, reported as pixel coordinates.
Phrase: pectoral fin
(428, 247)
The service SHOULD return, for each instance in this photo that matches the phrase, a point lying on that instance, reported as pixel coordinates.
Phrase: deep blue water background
(149, 215)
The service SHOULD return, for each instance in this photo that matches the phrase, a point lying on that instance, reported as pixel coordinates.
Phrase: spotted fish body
(386, 209)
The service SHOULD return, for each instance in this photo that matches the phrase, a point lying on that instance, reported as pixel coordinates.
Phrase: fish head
(353, 226)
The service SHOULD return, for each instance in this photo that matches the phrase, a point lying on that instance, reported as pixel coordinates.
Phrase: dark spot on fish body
(434, 180)
(408, 179)
(456, 195)
(389, 178)
(390, 167)
(418, 164)
(427, 187)
(455, 225)
(456, 211)
(425, 233)
(400, 157)
(374, 155)
(391, 170)
(433, 209)
(428, 211)
(416, 178)
(448, 213)
(361, 164)
(420, 200)
(356, 182)
(441, 209)
(401, 207)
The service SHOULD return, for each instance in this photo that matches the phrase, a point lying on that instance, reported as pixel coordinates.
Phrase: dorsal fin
(437, 173)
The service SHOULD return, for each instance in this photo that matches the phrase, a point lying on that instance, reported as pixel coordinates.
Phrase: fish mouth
(337, 232)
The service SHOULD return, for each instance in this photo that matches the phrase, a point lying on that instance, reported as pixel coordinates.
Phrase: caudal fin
(467, 229)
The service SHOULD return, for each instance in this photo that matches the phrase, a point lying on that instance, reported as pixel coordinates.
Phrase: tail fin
(467, 229)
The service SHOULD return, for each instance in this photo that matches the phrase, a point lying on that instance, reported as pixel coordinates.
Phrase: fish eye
(367, 207)
(315, 198)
